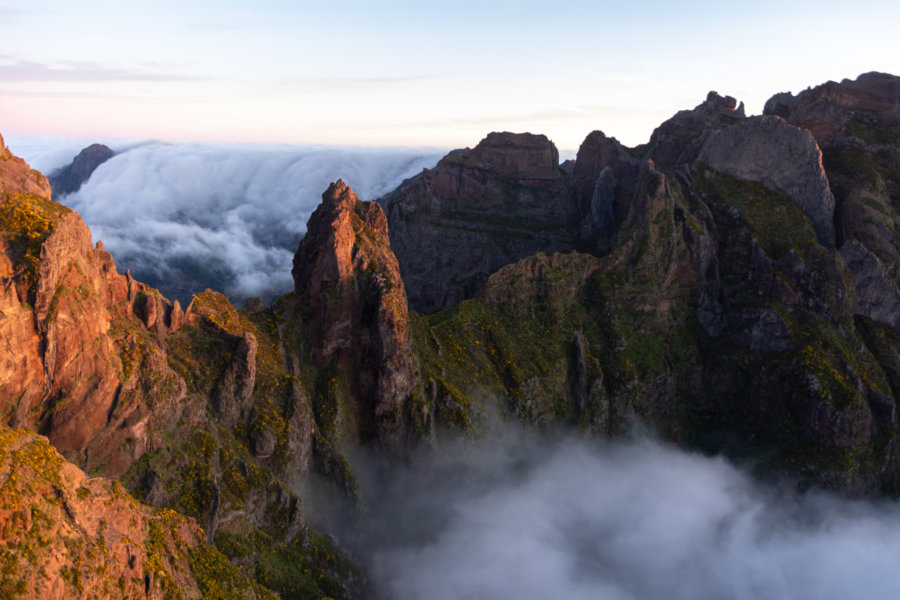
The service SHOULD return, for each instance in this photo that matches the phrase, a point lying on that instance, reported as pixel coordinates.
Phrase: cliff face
(66, 535)
(721, 305)
(202, 410)
(476, 211)
(349, 279)
(735, 287)
(857, 125)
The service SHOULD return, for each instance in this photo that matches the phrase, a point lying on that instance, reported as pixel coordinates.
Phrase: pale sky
(416, 73)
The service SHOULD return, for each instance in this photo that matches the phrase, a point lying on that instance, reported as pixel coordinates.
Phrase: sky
(413, 73)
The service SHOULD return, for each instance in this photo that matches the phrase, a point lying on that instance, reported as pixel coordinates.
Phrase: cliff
(349, 280)
(202, 411)
(66, 535)
(476, 211)
(732, 284)
(717, 300)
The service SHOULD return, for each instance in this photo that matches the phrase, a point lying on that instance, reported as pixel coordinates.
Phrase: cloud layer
(183, 217)
(530, 519)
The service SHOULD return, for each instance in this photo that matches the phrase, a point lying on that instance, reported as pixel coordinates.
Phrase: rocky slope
(66, 535)
(719, 303)
(731, 284)
(202, 410)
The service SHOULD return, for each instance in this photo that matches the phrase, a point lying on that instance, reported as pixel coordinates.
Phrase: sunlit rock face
(347, 274)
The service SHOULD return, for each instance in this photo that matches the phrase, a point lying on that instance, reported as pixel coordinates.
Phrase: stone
(781, 157)
(345, 272)
(70, 178)
(876, 296)
(827, 109)
(477, 210)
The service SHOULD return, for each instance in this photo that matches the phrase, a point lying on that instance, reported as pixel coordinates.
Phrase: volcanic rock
(70, 178)
(829, 108)
(476, 211)
(346, 273)
(66, 533)
(781, 157)
(678, 140)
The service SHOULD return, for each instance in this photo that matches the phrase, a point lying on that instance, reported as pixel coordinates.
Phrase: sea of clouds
(183, 217)
(528, 518)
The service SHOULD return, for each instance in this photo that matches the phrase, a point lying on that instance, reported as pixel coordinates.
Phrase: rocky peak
(718, 104)
(70, 178)
(347, 275)
(678, 140)
(826, 109)
(521, 155)
(603, 172)
(476, 211)
(597, 152)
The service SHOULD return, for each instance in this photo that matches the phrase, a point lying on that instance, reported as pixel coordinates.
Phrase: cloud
(183, 217)
(18, 70)
(521, 517)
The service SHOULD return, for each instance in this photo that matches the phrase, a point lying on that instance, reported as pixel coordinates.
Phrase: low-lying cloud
(183, 217)
(529, 519)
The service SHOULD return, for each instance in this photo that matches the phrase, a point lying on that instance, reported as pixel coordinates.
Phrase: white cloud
(187, 216)
(525, 518)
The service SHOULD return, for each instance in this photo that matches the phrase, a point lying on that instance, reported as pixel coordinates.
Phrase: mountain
(70, 178)
(202, 410)
(734, 284)
(731, 284)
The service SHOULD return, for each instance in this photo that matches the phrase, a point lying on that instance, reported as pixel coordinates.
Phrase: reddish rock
(519, 155)
(65, 533)
(82, 366)
(17, 177)
(826, 109)
(346, 273)
(781, 157)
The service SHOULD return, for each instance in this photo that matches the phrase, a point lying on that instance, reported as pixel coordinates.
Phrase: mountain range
(732, 285)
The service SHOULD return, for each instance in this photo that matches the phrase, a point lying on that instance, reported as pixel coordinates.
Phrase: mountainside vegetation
(732, 285)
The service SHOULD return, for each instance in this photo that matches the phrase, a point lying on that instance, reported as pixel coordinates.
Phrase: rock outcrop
(201, 411)
(678, 140)
(781, 157)
(716, 306)
(476, 211)
(70, 178)
(604, 175)
(66, 535)
(347, 275)
(16, 177)
(829, 108)
(857, 125)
